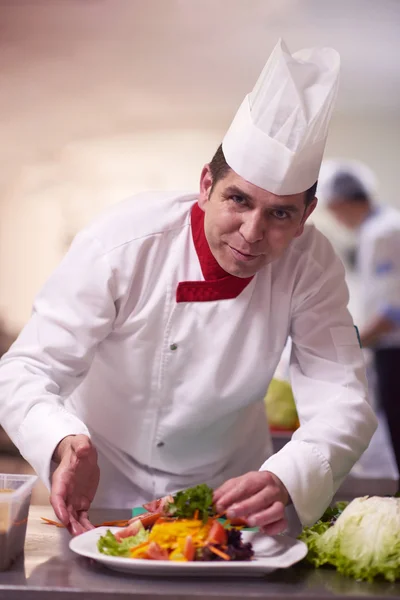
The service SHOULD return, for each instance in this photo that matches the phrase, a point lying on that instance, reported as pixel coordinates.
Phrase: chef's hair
(219, 169)
(346, 186)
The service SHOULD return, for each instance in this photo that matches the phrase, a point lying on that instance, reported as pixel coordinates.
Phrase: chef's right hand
(74, 482)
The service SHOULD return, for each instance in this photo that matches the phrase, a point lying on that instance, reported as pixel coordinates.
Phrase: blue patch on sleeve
(384, 267)
(392, 313)
(358, 335)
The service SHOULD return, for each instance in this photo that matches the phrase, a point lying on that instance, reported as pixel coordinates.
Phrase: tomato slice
(132, 529)
(218, 534)
(155, 552)
(148, 520)
(152, 506)
(159, 505)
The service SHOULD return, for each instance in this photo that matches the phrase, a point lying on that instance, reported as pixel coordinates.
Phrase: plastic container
(15, 499)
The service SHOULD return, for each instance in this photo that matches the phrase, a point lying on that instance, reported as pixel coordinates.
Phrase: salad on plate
(184, 527)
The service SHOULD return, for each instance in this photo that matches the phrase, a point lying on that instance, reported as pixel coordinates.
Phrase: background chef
(150, 348)
(348, 189)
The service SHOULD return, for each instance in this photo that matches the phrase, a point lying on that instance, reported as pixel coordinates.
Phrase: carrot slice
(219, 515)
(21, 522)
(189, 550)
(141, 545)
(134, 549)
(147, 521)
(122, 523)
(238, 521)
(219, 553)
(51, 522)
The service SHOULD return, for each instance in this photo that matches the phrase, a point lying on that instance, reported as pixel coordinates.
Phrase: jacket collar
(217, 284)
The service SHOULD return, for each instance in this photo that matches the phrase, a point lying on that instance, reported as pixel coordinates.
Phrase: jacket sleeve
(74, 311)
(385, 276)
(329, 385)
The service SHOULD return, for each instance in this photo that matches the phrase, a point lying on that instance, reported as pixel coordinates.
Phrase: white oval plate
(270, 553)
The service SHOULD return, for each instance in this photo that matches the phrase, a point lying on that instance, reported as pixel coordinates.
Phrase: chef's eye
(238, 200)
(281, 215)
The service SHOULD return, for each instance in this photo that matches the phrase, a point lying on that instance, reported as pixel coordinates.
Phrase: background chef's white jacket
(172, 393)
(379, 267)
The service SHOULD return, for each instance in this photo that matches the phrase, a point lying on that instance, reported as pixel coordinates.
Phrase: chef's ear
(307, 212)
(206, 182)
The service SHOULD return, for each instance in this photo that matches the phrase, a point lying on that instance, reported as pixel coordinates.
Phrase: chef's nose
(253, 227)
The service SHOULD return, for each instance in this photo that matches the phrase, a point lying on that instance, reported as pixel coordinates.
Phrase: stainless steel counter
(50, 571)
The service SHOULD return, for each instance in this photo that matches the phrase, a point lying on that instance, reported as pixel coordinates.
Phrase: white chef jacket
(379, 268)
(172, 392)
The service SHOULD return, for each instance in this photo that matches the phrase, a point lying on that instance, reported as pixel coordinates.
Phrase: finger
(60, 509)
(254, 504)
(75, 528)
(81, 445)
(267, 516)
(84, 521)
(82, 449)
(224, 489)
(58, 496)
(275, 528)
(247, 486)
(236, 492)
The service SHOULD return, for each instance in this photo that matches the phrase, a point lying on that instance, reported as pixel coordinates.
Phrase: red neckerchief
(218, 284)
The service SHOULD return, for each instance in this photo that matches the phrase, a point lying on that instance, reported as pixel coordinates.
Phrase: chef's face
(247, 227)
(349, 214)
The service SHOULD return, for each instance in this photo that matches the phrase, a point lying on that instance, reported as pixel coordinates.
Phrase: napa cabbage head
(280, 405)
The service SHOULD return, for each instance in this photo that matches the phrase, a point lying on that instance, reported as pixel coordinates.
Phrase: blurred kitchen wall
(103, 98)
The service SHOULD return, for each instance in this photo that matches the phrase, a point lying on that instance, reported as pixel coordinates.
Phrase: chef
(349, 189)
(143, 368)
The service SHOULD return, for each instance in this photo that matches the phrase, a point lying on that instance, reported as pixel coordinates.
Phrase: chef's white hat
(345, 179)
(277, 138)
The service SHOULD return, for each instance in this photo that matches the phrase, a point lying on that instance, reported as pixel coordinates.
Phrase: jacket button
(160, 444)
(173, 346)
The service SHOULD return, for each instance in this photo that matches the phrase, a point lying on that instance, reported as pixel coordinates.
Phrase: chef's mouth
(242, 255)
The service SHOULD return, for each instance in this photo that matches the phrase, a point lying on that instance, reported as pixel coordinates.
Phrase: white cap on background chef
(152, 345)
(349, 189)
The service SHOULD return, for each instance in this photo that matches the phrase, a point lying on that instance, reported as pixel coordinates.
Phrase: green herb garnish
(187, 502)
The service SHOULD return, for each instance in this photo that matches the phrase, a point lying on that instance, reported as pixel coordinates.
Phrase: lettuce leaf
(108, 544)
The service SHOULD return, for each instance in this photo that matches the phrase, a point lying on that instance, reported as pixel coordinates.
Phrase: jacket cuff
(307, 476)
(41, 431)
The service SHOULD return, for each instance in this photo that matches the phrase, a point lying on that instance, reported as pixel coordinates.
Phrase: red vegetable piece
(189, 550)
(218, 534)
(238, 522)
(132, 529)
(155, 552)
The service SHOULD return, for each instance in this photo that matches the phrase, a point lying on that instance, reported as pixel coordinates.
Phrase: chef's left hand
(259, 497)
